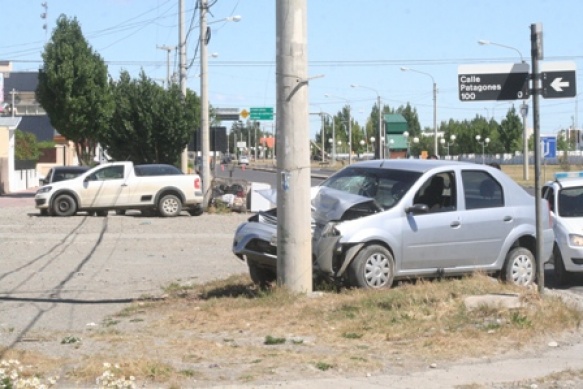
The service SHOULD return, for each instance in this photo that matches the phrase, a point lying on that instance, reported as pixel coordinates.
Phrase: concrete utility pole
(182, 49)
(204, 105)
(294, 251)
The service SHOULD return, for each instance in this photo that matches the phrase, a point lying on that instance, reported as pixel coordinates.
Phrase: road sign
(493, 82)
(263, 113)
(558, 79)
(548, 146)
(227, 114)
(244, 113)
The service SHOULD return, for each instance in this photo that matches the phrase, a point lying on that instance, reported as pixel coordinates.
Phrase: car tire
(169, 206)
(520, 267)
(372, 268)
(261, 276)
(562, 276)
(196, 210)
(64, 205)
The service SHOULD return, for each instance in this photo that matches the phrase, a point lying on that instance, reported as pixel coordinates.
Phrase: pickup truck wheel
(372, 268)
(64, 205)
(169, 206)
(520, 267)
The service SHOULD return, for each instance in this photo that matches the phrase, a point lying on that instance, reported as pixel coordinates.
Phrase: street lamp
(349, 126)
(484, 42)
(372, 142)
(389, 144)
(362, 143)
(415, 140)
(447, 144)
(339, 144)
(332, 149)
(205, 36)
(332, 141)
(484, 144)
(434, 105)
(381, 151)
(523, 111)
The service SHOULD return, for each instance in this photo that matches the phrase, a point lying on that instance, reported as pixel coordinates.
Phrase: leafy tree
(26, 146)
(150, 124)
(511, 131)
(73, 88)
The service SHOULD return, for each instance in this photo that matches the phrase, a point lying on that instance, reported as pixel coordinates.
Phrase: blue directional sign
(548, 145)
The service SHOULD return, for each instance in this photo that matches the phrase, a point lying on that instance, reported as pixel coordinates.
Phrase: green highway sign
(261, 113)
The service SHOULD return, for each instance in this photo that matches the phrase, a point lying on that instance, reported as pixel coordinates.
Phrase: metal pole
(349, 138)
(182, 46)
(294, 239)
(536, 51)
(381, 153)
(204, 106)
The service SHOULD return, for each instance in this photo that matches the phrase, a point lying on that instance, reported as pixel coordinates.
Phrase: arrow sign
(558, 84)
(558, 79)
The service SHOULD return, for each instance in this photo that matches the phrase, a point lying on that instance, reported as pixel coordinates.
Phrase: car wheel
(372, 268)
(520, 267)
(64, 205)
(196, 210)
(261, 276)
(169, 206)
(562, 276)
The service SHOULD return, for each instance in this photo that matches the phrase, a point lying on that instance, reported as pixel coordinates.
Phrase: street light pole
(484, 144)
(349, 127)
(381, 146)
(436, 150)
(333, 136)
(523, 111)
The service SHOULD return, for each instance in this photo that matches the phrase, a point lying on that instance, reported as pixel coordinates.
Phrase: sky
(362, 42)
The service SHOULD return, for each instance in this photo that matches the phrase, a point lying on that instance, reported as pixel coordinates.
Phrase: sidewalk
(22, 198)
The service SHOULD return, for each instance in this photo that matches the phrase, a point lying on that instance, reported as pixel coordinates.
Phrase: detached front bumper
(256, 242)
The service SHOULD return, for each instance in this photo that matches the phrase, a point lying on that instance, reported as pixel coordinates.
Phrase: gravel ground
(63, 274)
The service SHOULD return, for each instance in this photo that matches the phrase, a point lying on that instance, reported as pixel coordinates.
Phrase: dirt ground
(66, 276)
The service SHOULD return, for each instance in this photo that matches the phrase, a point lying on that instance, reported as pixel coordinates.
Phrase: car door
(429, 238)
(485, 221)
(104, 188)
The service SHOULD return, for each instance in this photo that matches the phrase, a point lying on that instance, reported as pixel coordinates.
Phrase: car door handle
(124, 184)
(507, 218)
(455, 223)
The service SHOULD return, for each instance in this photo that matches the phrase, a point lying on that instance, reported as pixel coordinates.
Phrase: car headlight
(576, 240)
(44, 189)
(330, 230)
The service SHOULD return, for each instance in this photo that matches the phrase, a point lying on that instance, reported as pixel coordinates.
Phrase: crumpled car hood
(332, 205)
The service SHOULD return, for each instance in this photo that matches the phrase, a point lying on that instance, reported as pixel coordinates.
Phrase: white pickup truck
(121, 186)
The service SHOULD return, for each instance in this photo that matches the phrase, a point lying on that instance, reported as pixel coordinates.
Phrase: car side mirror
(417, 208)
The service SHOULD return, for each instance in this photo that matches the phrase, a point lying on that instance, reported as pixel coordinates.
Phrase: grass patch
(216, 332)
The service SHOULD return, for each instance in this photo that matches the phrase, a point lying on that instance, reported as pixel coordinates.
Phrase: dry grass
(547, 172)
(229, 331)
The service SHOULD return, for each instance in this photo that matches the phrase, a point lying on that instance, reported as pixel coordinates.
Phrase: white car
(565, 197)
(243, 160)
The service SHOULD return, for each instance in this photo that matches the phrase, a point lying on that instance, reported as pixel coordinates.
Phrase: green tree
(73, 88)
(150, 124)
(26, 146)
(511, 132)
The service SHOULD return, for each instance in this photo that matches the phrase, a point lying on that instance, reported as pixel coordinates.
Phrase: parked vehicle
(61, 173)
(565, 197)
(153, 189)
(243, 160)
(374, 222)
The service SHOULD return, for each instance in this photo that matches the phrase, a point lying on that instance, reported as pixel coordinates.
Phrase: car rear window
(156, 170)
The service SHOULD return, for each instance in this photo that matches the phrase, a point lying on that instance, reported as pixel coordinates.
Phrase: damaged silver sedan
(375, 222)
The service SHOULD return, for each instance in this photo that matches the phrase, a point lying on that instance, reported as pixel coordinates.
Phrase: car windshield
(386, 186)
(571, 202)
